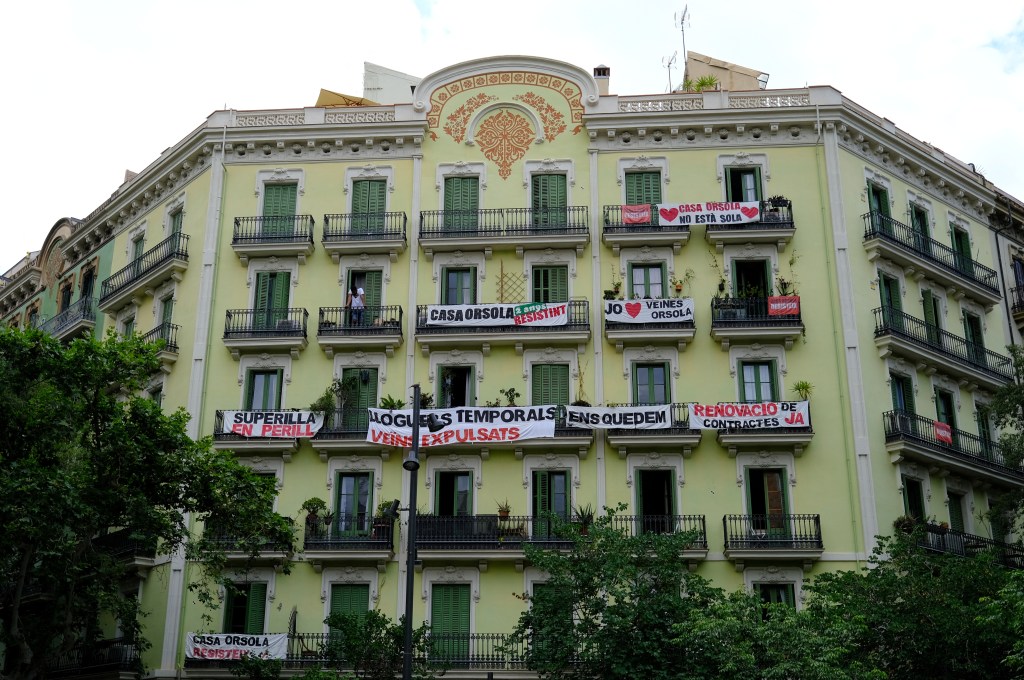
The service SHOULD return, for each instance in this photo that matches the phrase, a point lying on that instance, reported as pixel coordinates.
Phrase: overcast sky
(97, 87)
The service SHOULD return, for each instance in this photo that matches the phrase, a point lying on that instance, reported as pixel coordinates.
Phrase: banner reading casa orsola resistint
(463, 425)
(710, 212)
(758, 416)
(649, 311)
(499, 314)
(231, 646)
(626, 417)
(281, 424)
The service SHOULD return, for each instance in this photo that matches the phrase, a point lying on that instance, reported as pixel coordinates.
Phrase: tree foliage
(372, 646)
(82, 455)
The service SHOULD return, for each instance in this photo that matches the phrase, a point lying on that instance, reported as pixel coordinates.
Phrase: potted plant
(585, 517)
(784, 287)
(391, 403)
(504, 509)
(317, 515)
(382, 520)
(904, 524)
(803, 388)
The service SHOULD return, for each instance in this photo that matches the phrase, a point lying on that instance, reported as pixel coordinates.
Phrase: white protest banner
(274, 424)
(708, 213)
(462, 425)
(626, 417)
(649, 311)
(234, 647)
(757, 416)
(525, 314)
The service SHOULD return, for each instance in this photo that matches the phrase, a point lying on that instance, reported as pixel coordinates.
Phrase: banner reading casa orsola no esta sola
(231, 646)
(462, 425)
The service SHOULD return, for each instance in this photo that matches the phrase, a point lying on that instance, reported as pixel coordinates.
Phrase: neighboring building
(505, 181)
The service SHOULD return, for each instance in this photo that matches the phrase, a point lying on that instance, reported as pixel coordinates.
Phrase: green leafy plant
(510, 394)
(391, 403)
(504, 507)
(803, 388)
(372, 646)
(313, 506)
(253, 667)
(426, 400)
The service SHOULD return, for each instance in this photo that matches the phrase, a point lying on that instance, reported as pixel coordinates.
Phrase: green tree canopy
(82, 456)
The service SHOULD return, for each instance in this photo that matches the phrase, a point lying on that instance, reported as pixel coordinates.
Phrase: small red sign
(784, 305)
(943, 432)
(636, 214)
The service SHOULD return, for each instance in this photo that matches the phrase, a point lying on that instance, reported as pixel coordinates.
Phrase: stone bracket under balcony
(792, 439)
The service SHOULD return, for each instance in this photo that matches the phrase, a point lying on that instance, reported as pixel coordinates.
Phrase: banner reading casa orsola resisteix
(234, 646)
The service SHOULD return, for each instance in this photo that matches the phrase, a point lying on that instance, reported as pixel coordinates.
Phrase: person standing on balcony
(356, 303)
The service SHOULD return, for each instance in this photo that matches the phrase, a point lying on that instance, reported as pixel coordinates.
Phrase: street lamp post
(412, 464)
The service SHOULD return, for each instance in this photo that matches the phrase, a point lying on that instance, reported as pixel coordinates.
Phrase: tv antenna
(668, 63)
(681, 20)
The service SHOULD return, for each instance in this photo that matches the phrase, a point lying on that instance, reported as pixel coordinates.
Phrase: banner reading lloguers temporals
(462, 425)
(626, 417)
(233, 647)
(275, 424)
(743, 416)
(649, 311)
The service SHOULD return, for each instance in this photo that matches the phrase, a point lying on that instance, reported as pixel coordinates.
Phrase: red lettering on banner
(943, 432)
(390, 439)
(794, 420)
(244, 430)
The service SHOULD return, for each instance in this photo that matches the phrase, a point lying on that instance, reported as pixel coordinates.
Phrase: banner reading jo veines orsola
(462, 425)
(230, 646)
(757, 416)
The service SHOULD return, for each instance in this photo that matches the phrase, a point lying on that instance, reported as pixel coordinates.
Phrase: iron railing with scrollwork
(174, 247)
(772, 532)
(273, 229)
(384, 226)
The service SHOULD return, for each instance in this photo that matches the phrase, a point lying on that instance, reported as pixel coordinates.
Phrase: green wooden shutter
(956, 511)
(279, 201)
(549, 200)
(369, 203)
(261, 301)
(373, 287)
(550, 384)
(551, 284)
(461, 202)
(931, 317)
(279, 296)
(256, 607)
(137, 246)
(908, 394)
(643, 188)
(176, 220)
(355, 416)
(166, 309)
(449, 620)
(350, 598)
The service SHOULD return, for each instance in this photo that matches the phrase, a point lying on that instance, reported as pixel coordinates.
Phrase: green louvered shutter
(956, 511)
(372, 286)
(279, 202)
(166, 309)
(549, 201)
(279, 295)
(176, 220)
(449, 620)
(551, 284)
(550, 384)
(256, 607)
(643, 188)
(261, 301)
(461, 202)
(350, 598)
(356, 416)
(931, 320)
(369, 202)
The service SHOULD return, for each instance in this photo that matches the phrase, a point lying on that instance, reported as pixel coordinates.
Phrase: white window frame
(372, 172)
(551, 166)
(763, 460)
(914, 471)
(295, 176)
(360, 359)
(939, 292)
(455, 357)
(651, 354)
(949, 385)
(252, 575)
(129, 312)
(432, 576)
(135, 233)
(460, 169)
(548, 258)
(776, 353)
(364, 262)
(258, 265)
(356, 464)
(647, 255)
(642, 163)
(743, 160)
(655, 461)
(174, 206)
(749, 252)
(264, 362)
(550, 355)
(454, 462)
(963, 487)
(442, 261)
(871, 176)
(265, 465)
(348, 575)
(772, 575)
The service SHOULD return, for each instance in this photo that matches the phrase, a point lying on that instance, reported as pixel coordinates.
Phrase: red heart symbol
(669, 214)
(749, 212)
(633, 308)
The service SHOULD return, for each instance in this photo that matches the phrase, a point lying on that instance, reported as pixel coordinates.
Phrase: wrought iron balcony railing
(877, 225)
(573, 219)
(487, 532)
(462, 223)
(777, 214)
(970, 447)
(344, 423)
(680, 421)
(367, 321)
(634, 525)
(232, 542)
(578, 313)
(173, 247)
(751, 311)
(103, 656)
(508, 222)
(953, 542)
(772, 532)
(350, 532)
(275, 322)
(168, 333)
(891, 321)
(83, 310)
(615, 224)
(273, 229)
(123, 545)
(364, 226)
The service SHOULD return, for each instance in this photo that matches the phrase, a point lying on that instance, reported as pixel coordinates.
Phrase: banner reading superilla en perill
(273, 424)
(462, 425)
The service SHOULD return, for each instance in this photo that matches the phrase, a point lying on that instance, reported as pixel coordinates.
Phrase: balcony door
(454, 494)
(766, 500)
(459, 286)
(650, 384)
(457, 386)
(743, 184)
(358, 393)
(549, 201)
(550, 498)
(643, 188)
(372, 283)
(878, 203)
(279, 202)
(920, 224)
(757, 381)
(263, 391)
(646, 281)
(551, 284)
(892, 301)
(945, 412)
(751, 282)
(449, 621)
(353, 505)
(350, 598)
(270, 302)
(369, 203)
(932, 313)
(975, 338)
(655, 501)
(913, 498)
(962, 250)
(245, 607)
(461, 203)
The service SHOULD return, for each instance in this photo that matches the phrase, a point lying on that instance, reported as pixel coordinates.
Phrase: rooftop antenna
(681, 20)
(668, 63)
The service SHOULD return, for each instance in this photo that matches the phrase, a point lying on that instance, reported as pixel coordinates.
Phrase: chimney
(601, 74)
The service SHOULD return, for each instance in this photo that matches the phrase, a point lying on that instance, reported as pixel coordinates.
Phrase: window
(962, 250)
(359, 392)
(878, 204)
(919, 223)
(354, 503)
(138, 243)
(449, 620)
(655, 501)
(945, 412)
(245, 606)
(128, 325)
(646, 281)
(279, 202)
(459, 286)
(270, 303)
(549, 200)
(461, 202)
(263, 391)
(457, 386)
(369, 203)
(550, 384)
(550, 497)
(650, 384)
(643, 188)
(1018, 271)
(751, 280)
(983, 417)
(766, 500)
(743, 184)
(166, 309)
(932, 314)
(892, 303)
(176, 219)
(350, 598)
(775, 593)
(551, 284)
(902, 393)
(974, 336)
(65, 297)
(88, 282)
(757, 381)
(956, 510)
(157, 394)
(454, 494)
(372, 283)
(913, 498)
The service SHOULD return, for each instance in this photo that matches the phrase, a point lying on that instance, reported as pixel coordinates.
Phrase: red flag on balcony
(783, 305)
(636, 214)
(943, 432)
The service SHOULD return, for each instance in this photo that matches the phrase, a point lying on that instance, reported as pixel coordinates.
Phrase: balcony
(344, 431)
(350, 539)
(341, 329)
(793, 438)
(504, 229)
(480, 538)
(922, 256)
(167, 334)
(776, 226)
(121, 544)
(78, 319)
(952, 542)
(930, 348)
(260, 446)
(910, 436)
(167, 260)
(357, 233)
(675, 328)
(772, 538)
(634, 525)
(618, 234)
(435, 329)
(257, 552)
(265, 330)
(1017, 304)
(678, 438)
(765, 320)
(112, 658)
(277, 236)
